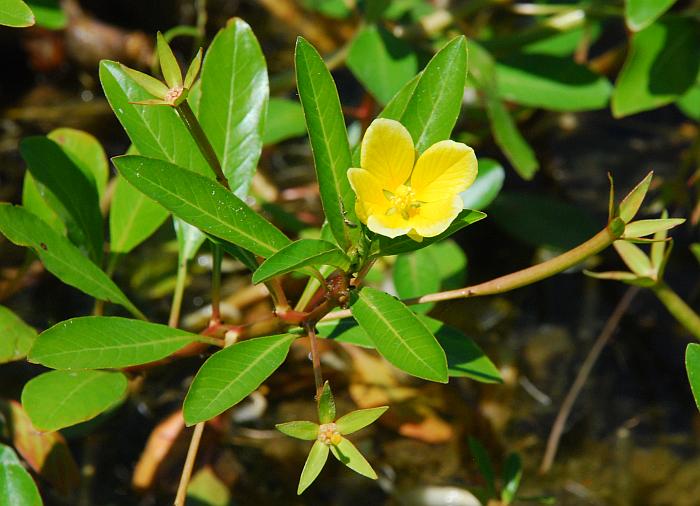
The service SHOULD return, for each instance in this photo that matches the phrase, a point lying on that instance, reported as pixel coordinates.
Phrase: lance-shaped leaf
(313, 465)
(16, 484)
(16, 337)
(15, 13)
(359, 419)
(233, 105)
(86, 152)
(203, 203)
(641, 13)
(59, 256)
(344, 331)
(633, 200)
(326, 405)
(59, 399)
(300, 254)
(230, 375)
(692, 366)
(329, 142)
(431, 111)
(404, 244)
(483, 461)
(642, 228)
(399, 335)
(98, 342)
(634, 258)
(155, 131)
(512, 473)
(52, 167)
(346, 453)
(510, 140)
(302, 429)
(133, 217)
(285, 120)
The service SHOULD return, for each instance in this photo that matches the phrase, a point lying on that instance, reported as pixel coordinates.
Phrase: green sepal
(193, 70)
(359, 419)
(168, 63)
(313, 466)
(346, 453)
(326, 405)
(148, 83)
(634, 258)
(300, 429)
(642, 228)
(633, 201)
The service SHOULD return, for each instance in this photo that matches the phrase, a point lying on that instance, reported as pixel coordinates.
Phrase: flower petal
(434, 217)
(388, 152)
(368, 189)
(390, 226)
(445, 168)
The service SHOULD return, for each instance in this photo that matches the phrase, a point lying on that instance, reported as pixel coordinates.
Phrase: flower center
(328, 434)
(173, 94)
(403, 201)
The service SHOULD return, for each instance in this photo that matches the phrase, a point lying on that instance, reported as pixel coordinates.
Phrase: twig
(581, 378)
(189, 464)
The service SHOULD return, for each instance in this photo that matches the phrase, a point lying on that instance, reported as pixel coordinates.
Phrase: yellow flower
(394, 197)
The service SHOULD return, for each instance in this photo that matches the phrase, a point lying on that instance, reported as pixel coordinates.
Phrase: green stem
(217, 254)
(678, 308)
(525, 277)
(190, 120)
(176, 305)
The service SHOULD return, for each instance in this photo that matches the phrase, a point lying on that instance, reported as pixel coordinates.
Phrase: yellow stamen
(402, 201)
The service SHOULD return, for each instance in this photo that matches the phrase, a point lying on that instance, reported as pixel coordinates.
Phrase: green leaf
(398, 104)
(486, 187)
(207, 489)
(59, 399)
(326, 405)
(551, 82)
(16, 484)
(346, 453)
(15, 13)
(689, 103)
(155, 131)
(643, 228)
(512, 473)
(133, 217)
(661, 65)
(540, 220)
(564, 43)
(510, 140)
(285, 120)
(313, 466)
(695, 250)
(344, 331)
(431, 111)
(36, 198)
(189, 239)
(100, 342)
(16, 337)
(203, 203)
(329, 141)
(59, 256)
(381, 62)
(634, 258)
(633, 200)
(641, 13)
(404, 244)
(483, 461)
(359, 419)
(153, 86)
(417, 273)
(302, 429)
(300, 254)
(399, 335)
(86, 152)
(168, 63)
(338, 9)
(233, 105)
(229, 375)
(51, 166)
(451, 262)
(692, 366)
(464, 357)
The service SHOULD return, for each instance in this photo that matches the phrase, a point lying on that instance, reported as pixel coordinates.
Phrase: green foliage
(16, 337)
(661, 66)
(101, 342)
(692, 366)
(16, 485)
(487, 186)
(298, 255)
(59, 399)
(346, 453)
(15, 13)
(313, 465)
(399, 335)
(641, 13)
(229, 375)
(512, 473)
(233, 105)
(329, 142)
(304, 429)
(59, 256)
(326, 405)
(285, 120)
(357, 420)
(202, 203)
